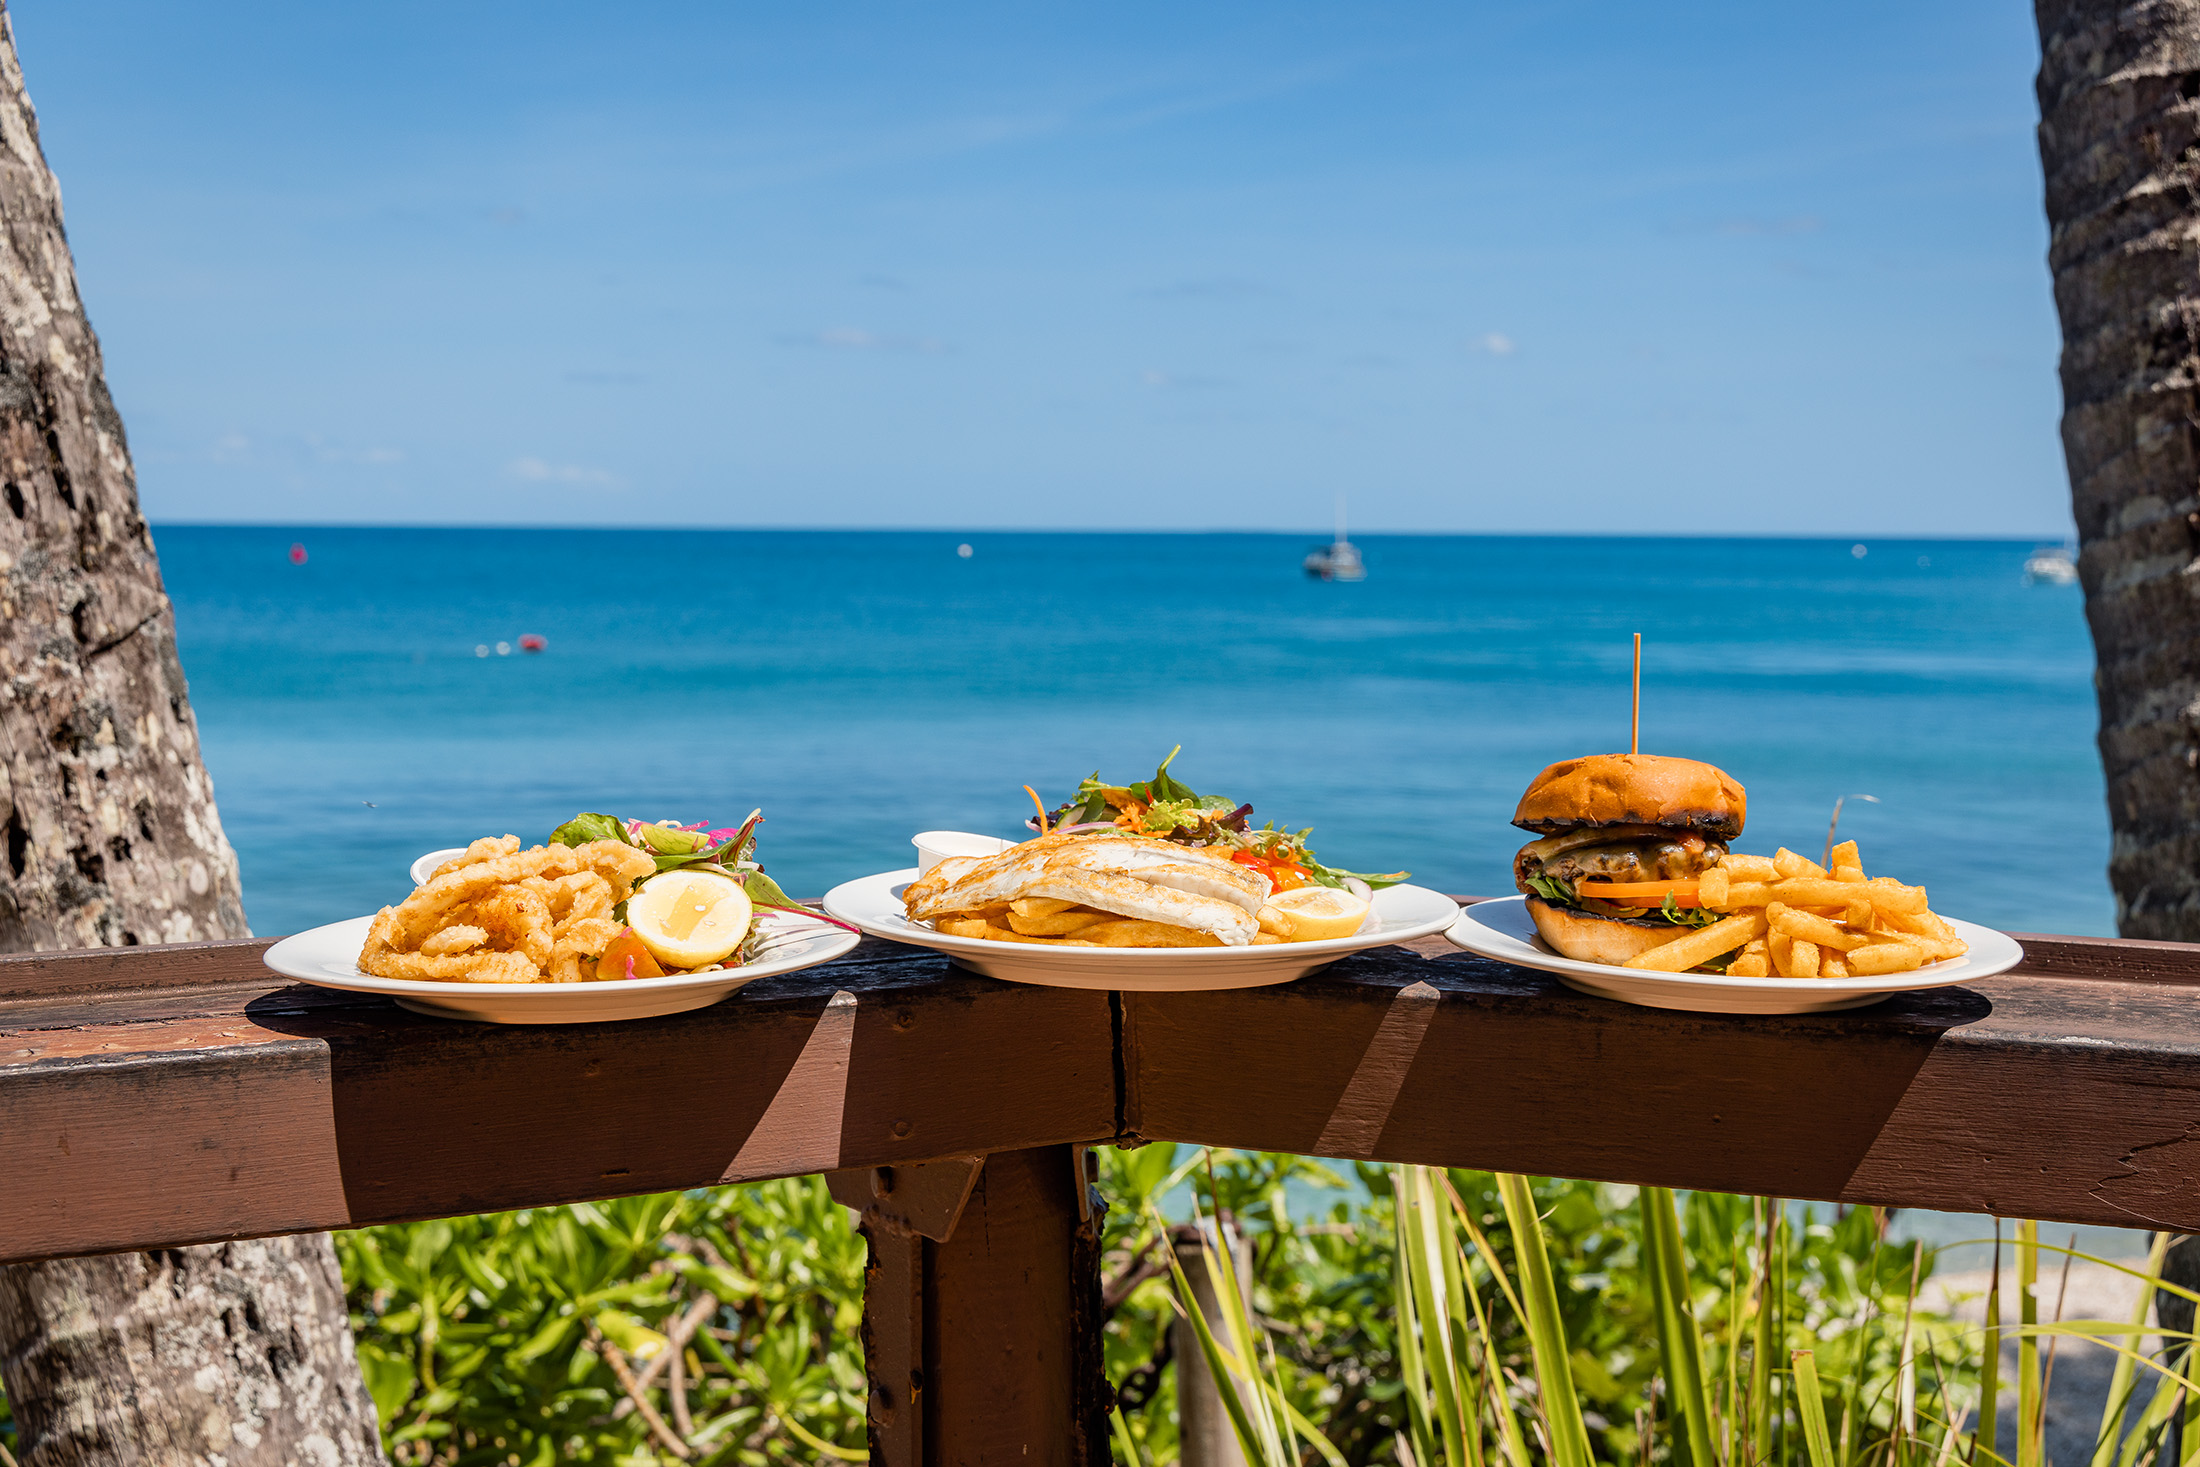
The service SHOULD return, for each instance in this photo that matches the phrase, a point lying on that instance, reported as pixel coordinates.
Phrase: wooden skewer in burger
(1621, 842)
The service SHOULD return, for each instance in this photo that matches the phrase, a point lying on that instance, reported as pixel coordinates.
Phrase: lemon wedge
(689, 919)
(1313, 913)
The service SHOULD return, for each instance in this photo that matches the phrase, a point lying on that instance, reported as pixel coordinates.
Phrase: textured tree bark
(2119, 92)
(230, 1355)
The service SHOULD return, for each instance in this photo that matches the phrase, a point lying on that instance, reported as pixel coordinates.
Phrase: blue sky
(1593, 267)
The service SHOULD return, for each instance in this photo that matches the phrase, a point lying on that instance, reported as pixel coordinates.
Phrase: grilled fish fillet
(1130, 875)
(1165, 863)
(1128, 896)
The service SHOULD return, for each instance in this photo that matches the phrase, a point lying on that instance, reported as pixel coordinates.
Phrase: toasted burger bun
(1633, 789)
(1592, 939)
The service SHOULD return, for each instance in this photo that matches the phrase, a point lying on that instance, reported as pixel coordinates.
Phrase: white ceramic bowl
(430, 861)
(935, 846)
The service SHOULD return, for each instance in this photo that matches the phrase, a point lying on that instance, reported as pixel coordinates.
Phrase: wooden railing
(161, 1096)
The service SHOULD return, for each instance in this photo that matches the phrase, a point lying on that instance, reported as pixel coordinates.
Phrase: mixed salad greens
(1165, 806)
(676, 847)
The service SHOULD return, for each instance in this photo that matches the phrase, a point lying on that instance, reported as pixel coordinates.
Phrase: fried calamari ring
(583, 894)
(461, 967)
(582, 941)
(516, 921)
(453, 940)
(488, 848)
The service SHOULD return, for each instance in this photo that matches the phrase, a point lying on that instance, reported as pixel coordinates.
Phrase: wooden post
(1204, 1434)
(984, 1346)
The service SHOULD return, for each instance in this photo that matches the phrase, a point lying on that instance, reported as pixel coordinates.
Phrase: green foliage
(1323, 1289)
(501, 1339)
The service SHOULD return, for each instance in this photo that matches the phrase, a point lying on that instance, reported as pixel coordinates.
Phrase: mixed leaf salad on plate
(675, 847)
(1167, 808)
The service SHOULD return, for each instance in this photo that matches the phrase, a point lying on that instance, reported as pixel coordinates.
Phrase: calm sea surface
(861, 687)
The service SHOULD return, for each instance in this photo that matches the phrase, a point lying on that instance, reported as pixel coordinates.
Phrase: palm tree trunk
(234, 1354)
(2120, 146)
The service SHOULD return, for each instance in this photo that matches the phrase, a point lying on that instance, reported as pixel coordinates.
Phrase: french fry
(1844, 854)
(1748, 868)
(1890, 895)
(1790, 865)
(1848, 873)
(1038, 906)
(1701, 945)
(1806, 928)
(1816, 891)
(1926, 926)
(1055, 924)
(1128, 932)
(1780, 951)
(1275, 922)
(1833, 965)
(1740, 894)
(1859, 915)
(1803, 959)
(1753, 961)
(979, 927)
(1882, 958)
(1712, 888)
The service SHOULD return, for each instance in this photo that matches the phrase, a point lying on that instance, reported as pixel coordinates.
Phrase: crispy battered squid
(497, 914)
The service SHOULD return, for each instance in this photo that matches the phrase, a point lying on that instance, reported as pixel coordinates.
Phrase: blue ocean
(374, 701)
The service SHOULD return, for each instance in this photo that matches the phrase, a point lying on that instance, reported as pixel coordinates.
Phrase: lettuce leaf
(1552, 890)
(582, 829)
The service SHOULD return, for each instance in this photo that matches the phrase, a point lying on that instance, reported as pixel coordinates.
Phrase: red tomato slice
(1282, 875)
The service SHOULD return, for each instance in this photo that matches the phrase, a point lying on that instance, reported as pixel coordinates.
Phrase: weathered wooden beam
(984, 1347)
(154, 1097)
(159, 1096)
(2068, 1090)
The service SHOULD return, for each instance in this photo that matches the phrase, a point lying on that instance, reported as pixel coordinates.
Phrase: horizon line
(1831, 537)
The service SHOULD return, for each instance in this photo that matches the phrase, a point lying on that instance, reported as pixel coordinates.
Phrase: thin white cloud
(541, 471)
(1496, 343)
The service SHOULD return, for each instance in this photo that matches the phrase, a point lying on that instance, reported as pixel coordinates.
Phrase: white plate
(329, 957)
(1503, 930)
(1401, 912)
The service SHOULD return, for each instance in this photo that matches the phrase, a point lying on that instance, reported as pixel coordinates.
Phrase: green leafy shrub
(526, 1337)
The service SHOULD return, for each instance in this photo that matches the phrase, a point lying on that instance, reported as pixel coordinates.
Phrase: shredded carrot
(1042, 808)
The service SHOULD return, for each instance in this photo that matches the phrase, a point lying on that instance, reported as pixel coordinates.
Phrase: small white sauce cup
(430, 861)
(935, 846)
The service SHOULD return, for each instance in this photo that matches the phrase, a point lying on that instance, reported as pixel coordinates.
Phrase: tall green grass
(1725, 1331)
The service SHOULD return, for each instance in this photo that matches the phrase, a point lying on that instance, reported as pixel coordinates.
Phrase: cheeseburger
(1621, 839)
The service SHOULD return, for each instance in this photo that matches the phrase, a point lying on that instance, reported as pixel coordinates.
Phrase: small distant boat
(2050, 565)
(1339, 560)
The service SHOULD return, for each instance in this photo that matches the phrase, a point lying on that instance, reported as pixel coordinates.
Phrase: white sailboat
(1339, 560)
(2051, 565)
